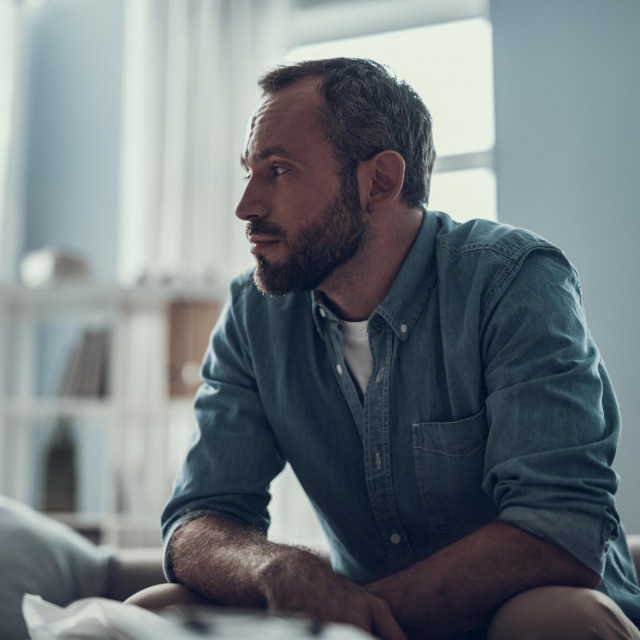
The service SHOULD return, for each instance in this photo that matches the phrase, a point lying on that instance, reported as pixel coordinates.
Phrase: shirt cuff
(167, 563)
(585, 537)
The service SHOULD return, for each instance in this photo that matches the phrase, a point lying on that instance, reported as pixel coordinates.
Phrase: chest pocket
(449, 465)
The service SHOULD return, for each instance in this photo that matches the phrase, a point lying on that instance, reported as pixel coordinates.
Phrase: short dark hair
(368, 110)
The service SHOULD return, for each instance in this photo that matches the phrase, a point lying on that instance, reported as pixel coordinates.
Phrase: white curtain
(189, 89)
(11, 79)
(189, 73)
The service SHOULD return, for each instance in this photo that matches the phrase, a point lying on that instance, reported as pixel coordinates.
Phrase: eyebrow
(266, 153)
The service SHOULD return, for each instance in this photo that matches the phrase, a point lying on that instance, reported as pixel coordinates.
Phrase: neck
(356, 288)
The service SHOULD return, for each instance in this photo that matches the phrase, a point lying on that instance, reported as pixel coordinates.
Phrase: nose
(252, 204)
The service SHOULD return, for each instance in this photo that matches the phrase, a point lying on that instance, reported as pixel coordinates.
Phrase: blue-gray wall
(567, 85)
(73, 129)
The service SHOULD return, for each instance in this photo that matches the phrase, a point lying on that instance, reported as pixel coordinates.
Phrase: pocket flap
(458, 438)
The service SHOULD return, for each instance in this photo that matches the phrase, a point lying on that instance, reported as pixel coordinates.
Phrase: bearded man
(432, 384)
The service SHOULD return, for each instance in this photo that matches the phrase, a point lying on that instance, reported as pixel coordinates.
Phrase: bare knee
(547, 613)
(165, 595)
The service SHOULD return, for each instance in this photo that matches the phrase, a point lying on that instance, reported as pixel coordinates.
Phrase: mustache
(263, 228)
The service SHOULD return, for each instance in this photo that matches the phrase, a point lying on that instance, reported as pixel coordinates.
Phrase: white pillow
(46, 558)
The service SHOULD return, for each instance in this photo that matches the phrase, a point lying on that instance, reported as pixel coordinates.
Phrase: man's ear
(380, 180)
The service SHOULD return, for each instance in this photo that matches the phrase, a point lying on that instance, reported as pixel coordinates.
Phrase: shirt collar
(410, 290)
(320, 310)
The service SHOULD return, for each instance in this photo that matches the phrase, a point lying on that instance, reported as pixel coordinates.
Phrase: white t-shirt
(357, 352)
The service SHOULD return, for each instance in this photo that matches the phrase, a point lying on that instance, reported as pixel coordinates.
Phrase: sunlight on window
(464, 195)
(449, 65)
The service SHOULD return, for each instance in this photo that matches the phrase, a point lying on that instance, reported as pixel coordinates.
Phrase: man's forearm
(225, 560)
(231, 564)
(459, 587)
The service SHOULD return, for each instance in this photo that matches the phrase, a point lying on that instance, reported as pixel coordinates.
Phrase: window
(450, 66)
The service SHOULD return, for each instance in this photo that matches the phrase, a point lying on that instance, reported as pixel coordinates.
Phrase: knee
(165, 595)
(560, 612)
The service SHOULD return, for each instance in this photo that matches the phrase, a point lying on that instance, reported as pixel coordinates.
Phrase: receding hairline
(312, 92)
(274, 87)
(310, 86)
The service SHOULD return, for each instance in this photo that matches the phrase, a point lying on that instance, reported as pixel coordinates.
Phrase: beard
(316, 250)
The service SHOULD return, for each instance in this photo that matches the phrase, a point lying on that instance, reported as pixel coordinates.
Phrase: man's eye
(278, 170)
(246, 176)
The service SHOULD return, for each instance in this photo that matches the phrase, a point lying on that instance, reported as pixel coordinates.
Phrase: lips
(262, 242)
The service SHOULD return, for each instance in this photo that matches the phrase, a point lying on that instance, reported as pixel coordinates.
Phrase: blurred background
(121, 125)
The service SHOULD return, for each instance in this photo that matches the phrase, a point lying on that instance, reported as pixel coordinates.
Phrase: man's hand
(460, 587)
(302, 583)
(231, 564)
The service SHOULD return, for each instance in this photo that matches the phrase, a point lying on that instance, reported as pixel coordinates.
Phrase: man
(433, 386)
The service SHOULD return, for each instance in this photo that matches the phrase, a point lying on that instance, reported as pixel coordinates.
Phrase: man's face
(303, 219)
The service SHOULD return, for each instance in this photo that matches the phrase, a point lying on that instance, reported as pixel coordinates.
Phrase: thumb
(385, 625)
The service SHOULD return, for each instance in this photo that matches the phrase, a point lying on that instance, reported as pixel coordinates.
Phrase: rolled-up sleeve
(233, 455)
(553, 417)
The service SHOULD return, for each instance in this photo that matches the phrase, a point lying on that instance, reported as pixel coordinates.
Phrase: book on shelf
(87, 368)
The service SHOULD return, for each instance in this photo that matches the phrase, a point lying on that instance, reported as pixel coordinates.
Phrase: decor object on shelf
(60, 491)
(190, 323)
(52, 265)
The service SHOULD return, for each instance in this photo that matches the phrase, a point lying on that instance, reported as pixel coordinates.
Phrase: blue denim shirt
(488, 400)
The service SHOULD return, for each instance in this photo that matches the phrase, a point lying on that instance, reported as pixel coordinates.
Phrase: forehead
(289, 121)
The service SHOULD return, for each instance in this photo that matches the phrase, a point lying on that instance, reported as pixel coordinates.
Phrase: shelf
(97, 295)
(142, 430)
(118, 529)
(46, 408)
(79, 520)
(92, 408)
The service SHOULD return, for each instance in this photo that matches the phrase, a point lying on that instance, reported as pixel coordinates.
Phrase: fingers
(385, 625)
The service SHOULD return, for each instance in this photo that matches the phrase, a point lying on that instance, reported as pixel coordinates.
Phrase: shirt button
(404, 328)
(339, 368)
(395, 538)
(322, 312)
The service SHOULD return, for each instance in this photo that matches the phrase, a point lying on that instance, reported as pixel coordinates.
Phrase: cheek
(311, 199)
(298, 199)
(294, 207)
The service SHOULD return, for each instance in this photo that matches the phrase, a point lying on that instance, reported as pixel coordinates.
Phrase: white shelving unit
(145, 431)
